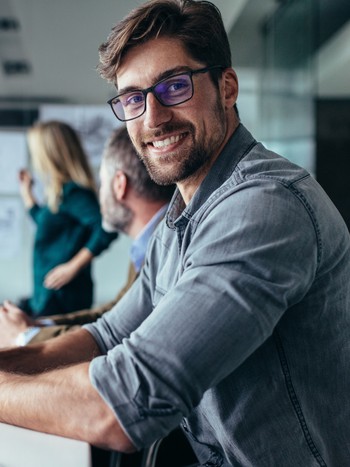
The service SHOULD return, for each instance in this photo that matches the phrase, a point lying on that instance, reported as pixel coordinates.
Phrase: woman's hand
(65, 272)
(60, 275)
(25, 186)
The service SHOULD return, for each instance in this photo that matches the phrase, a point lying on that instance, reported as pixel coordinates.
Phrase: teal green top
(59, 236)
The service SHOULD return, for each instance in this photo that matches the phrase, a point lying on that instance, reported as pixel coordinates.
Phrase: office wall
(332, 149)
(288, 82)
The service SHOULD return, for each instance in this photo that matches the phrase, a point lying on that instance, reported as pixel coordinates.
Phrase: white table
(25, 448)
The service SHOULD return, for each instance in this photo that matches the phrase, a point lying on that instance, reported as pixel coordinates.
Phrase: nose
(156, 114)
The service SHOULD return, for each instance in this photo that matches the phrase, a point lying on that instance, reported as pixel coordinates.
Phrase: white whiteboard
(13, 157)
(11, 218)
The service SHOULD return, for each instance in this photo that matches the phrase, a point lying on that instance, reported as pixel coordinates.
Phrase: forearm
(49, 332)
(61, 402)
(26, 185)
(71, 348)
(83, 316)
(28, 197)
(81, 259)
(29, 201)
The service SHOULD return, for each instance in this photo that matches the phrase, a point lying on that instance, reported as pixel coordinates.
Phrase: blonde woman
(69, 232)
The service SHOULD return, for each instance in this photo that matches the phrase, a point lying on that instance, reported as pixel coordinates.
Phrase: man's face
(115, 216)
(179, 142)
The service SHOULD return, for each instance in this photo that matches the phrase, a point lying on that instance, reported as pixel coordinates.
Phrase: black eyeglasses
(170, 91)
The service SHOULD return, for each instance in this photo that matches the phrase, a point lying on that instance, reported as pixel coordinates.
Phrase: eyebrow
(163, 75)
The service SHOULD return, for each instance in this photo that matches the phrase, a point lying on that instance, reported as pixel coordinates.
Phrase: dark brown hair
(197, 24)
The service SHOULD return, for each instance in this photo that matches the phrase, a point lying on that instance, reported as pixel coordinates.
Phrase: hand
(25, 185)
(13, 321)
(60, 275)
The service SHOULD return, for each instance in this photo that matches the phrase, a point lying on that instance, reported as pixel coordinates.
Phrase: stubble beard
(177, 167)
(117, 218)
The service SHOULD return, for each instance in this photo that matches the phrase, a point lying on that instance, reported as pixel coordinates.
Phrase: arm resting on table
(46, 388)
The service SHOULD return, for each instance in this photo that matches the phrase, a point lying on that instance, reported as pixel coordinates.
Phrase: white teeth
(167, 141)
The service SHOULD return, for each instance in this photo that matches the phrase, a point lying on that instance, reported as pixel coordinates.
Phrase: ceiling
(57, 43)
(51, 47)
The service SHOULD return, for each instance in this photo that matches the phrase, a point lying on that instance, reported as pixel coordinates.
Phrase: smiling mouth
(167, 141)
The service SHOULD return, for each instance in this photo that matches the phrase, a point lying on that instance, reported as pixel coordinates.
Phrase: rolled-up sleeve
(35, 212)
(125, 377)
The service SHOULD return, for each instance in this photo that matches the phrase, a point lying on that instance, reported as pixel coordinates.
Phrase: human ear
(119, 184)
(230, 87)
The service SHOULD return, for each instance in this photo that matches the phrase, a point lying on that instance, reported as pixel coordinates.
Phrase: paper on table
(26, 448)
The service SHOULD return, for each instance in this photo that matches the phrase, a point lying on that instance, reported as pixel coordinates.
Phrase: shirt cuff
(26, 336)
(46, 322)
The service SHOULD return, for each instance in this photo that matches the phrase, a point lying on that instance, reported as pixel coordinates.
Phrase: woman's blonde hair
(58, 156)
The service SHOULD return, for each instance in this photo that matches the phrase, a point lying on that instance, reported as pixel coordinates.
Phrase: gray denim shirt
(238, 326)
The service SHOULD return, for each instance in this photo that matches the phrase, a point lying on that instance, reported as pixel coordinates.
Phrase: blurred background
(292, 58)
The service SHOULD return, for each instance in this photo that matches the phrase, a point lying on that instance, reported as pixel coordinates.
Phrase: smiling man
(238, 326)
(178, 143)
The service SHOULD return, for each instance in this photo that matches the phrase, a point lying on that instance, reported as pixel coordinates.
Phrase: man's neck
(189, 186)
(143, 214)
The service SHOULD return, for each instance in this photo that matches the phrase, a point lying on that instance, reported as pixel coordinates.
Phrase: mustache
(167, 128)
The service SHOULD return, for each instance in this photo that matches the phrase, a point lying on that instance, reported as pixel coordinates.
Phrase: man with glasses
(174, 90)
(238, 326)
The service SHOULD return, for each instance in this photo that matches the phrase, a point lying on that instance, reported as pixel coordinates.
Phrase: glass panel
(288, 78)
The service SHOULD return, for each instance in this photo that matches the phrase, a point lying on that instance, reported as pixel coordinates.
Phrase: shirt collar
(139, 245)
(238, 145)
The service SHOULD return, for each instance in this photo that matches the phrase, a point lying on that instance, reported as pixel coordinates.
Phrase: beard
(181, 165)
(116, 218)
(176, 167)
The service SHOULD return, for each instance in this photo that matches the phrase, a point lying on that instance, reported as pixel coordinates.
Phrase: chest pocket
(168, 274)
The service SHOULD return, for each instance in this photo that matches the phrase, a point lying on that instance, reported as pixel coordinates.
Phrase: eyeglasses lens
(129, 105)
(174, 90)
(171, 91)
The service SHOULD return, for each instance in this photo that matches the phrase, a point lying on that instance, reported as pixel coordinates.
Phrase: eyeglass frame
(146, 91)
